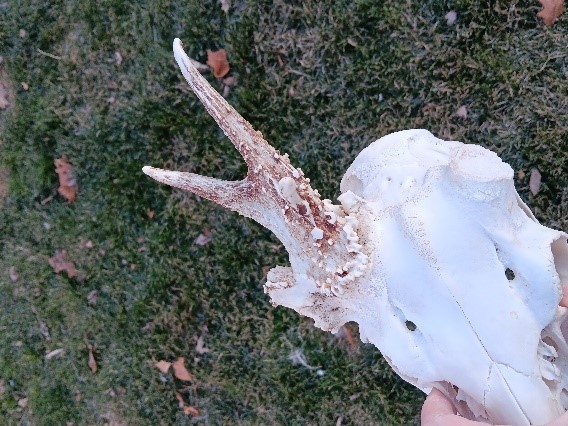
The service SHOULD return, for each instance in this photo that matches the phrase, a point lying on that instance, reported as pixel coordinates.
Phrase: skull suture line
(416, 254)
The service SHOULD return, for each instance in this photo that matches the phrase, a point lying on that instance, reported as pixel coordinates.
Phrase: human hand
(439, 411)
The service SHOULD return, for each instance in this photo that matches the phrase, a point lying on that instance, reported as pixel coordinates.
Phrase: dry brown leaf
(59, 264)
(204, 238)
(191, 411)
(217, 60)
(180, 399)
(92, 361)
(225, 5)
(150, 213)
(520, 175)
(346, 333)
(180, 371)
(67, 182)
(534, 181)
(551, 11)
(163, 366)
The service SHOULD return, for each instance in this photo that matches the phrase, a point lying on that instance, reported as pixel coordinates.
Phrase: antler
(274, 193)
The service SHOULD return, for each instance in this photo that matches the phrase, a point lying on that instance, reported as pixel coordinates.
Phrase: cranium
(431, 251)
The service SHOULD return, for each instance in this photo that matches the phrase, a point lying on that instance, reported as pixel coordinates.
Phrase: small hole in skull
(410, 325)
(509, 274)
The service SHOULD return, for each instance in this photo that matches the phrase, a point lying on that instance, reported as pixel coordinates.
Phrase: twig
(49, 55)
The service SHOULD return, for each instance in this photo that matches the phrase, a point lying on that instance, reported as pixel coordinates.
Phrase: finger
(439, 411)
(560, 421)
(564, 300)
(436, 405)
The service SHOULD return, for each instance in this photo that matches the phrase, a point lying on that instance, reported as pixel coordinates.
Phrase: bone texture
(431, 251)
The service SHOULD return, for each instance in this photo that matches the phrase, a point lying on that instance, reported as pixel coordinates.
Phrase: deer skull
(416, 253)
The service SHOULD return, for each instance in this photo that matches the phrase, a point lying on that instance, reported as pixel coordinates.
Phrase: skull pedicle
(417, 254)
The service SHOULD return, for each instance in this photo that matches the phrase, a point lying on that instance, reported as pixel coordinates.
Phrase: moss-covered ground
(321, 80)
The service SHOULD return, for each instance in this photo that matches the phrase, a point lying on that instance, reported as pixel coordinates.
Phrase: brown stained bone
(257, 196)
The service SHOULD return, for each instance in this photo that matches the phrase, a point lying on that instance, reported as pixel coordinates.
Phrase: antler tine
(226, 193)
(248, 141)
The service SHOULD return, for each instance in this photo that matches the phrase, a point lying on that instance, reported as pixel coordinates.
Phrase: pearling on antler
(417, 254)
(276, 195)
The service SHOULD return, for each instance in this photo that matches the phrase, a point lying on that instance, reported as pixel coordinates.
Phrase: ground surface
(321, 81)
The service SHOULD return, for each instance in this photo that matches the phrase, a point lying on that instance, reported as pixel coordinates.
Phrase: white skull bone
(417, 255)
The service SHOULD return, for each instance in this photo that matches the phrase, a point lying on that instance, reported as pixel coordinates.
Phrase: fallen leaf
(92, 361)
(462, 112)
(13, 274)
(92, 297)
(534, 181)
(25, 85)
(191, 411)
(346, 333)
(23, 402)
(67, 182)
(200, 346)
(225, 5)
(56, 352)
(150, 213)
(59, 264)
(551, 11)
(163, 366)
(451, 17)
(520, 174)
(204, 238)
(180, 371)
(4, 103)
(217, 60)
